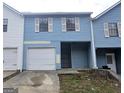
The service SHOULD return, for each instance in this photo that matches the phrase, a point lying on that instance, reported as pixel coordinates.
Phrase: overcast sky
(95, 6)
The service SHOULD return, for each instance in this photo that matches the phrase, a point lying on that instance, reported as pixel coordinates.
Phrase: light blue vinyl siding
(57, 34)
(100, 56)
(79, 54)
(114, 15)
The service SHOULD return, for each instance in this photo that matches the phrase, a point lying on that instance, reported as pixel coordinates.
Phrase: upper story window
(112, 29)
(70, 24)
(43, 25)
(5, 25)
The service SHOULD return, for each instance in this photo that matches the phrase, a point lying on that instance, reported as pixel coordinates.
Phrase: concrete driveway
(35, 82)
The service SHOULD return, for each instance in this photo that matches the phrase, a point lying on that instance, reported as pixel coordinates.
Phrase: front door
(110, 58)
(66, 56)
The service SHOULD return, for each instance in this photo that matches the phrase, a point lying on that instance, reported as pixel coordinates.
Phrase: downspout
(93, 50)
(21, 70)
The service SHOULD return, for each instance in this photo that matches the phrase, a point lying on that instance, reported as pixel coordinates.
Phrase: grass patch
(87, 82)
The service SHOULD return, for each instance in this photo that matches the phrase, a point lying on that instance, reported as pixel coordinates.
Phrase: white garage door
(41, 59)
(10, 59)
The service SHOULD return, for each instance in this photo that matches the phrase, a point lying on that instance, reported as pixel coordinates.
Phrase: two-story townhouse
(57, 40)
(107, 38)
(13, 28)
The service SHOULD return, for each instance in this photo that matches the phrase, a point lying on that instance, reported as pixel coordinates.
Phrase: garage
(10, 59)
(41, 59)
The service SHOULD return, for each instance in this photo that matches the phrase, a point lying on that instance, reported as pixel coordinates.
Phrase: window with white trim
(70, 24)
(5, 25)
(113, 29)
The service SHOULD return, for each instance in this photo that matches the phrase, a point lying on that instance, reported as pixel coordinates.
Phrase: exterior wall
(79, 55)
(55, 45)
(13, 38)
(101, 58)
(57, 34)
(101, 41)
(54, 39)
(118, 58)
(90, 57)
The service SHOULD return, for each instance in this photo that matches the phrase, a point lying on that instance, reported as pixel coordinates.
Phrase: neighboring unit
(107, 38)
(13, 28)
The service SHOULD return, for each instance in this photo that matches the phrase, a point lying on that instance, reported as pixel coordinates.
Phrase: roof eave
(59, 13)
(105, 11)
(11, 8)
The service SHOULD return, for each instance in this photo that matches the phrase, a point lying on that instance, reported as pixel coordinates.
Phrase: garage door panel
(42, 62)
(10, 59)
(43, 67)
(41, 59)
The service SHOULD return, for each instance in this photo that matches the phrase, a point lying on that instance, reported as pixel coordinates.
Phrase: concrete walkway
(118, 77)
(35, 82)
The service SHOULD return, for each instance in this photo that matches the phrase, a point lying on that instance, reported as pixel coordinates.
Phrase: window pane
(113, 30)
(109, 59)
(43, 25)
(5, 23)
(70, 24)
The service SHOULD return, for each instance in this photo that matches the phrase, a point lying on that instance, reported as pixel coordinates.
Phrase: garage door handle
(14, 64)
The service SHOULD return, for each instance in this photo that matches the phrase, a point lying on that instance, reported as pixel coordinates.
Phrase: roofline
(11, 8)
(57, 13)
(107, 10)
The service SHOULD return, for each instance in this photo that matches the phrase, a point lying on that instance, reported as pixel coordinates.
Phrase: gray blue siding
(79, 58)
(57, 34)
(80, 55)
(114, 15)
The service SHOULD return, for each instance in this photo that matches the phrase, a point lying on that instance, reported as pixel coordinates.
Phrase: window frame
(45, 25)
(113, 29)
(72, 27)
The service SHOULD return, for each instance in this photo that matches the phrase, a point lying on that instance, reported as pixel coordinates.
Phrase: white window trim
(37, 25)
(50, 24)
(77, 24)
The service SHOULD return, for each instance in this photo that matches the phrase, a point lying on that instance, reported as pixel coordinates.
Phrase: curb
(10, 76)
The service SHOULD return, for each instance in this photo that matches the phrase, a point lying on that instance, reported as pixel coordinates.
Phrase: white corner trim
(37, 42)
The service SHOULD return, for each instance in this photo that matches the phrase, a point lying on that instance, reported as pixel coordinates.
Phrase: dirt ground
(88, 82)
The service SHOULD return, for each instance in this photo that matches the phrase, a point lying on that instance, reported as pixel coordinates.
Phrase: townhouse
(60, 40)
(13, 28)
(56, 40)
